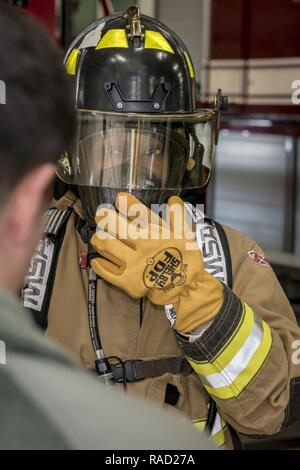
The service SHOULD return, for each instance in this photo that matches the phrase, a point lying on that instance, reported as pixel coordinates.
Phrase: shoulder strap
(216, 251)
(213, 243)
(36, 293)
(55, 219)
(226, 250)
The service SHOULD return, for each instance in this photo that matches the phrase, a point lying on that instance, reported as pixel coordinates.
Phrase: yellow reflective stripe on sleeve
(239, 361)
(113, 38)
(229, 380)
(71, 62)
(200, 425)
(218, 431)
(190, 65)
(219, 438)
(155, 40)
(231, 348)
(257, 360)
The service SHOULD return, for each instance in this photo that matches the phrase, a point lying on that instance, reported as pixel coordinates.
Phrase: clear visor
(141, 152)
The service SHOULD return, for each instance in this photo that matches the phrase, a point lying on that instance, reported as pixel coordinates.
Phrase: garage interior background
(250, 49)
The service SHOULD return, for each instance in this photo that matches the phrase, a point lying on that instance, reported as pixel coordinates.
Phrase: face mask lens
(149, 157)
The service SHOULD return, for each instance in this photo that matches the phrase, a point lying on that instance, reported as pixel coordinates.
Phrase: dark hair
(37, 123)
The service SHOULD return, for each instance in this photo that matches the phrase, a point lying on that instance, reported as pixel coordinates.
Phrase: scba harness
(39, 280)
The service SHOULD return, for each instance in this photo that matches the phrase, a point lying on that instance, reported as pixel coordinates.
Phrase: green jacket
(47, 402)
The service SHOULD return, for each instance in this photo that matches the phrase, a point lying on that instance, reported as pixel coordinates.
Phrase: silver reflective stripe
(217, 427)
(239, 362)
(171, 314)
(218, 432)
(50, 215)
(196, 214)
(56, 218)
(53, 221)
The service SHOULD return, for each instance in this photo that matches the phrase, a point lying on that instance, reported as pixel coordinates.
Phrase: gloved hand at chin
(147, 256)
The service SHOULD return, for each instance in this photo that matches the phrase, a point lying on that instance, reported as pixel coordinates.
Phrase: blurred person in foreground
(46, 402)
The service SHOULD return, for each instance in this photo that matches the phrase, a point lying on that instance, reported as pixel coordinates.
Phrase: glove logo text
(165, 270)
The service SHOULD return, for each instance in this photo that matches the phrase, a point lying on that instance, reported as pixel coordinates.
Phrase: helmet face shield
(141, 154)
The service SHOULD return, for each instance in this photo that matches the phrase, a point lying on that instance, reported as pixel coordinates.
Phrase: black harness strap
(136, 370)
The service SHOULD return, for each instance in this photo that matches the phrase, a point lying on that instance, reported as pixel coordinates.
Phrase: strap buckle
(125, 371)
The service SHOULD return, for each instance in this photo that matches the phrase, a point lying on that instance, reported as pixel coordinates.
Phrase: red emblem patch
(259, 259)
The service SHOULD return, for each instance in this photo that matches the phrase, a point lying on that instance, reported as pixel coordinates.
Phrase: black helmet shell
(116, 73)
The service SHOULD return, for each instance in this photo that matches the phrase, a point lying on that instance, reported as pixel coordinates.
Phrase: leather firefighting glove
(148, 256)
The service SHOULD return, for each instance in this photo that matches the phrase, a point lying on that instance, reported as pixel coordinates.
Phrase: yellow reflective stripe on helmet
(113, 38)
(190, 65)
(71, 62)
(155, 40)
(225, 379)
